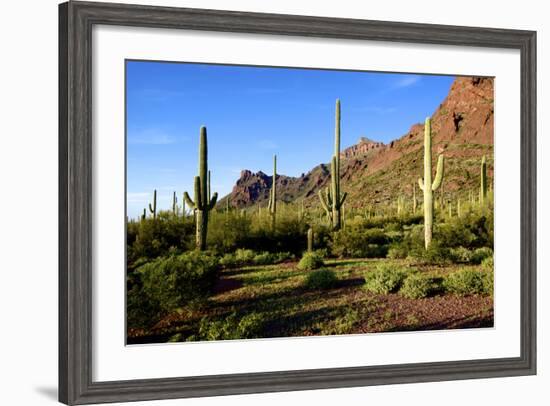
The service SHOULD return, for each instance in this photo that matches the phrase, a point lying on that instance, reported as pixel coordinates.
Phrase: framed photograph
(259, 202)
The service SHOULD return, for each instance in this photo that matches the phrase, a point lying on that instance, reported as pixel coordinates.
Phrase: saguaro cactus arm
(213, 201)
(438, 174)
(153, 208)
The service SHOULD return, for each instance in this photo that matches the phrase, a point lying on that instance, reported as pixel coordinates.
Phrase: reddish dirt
(434, 313)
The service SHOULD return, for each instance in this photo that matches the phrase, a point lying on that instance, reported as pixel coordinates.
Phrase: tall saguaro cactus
(331, 199)
(272, 204)
(426, 184)
(202, 204)
(483, 182)
(174, 204)
(153, 208)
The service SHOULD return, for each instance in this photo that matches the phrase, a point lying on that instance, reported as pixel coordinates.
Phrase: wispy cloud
(406, 81)
(152, 136)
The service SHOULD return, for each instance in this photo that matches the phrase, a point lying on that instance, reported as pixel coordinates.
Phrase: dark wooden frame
(76, 20)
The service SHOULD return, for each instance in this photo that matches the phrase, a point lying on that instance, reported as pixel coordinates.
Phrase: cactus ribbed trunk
(174, 204)
(331, 199)
(483, 182)
(310, 240)
(414, 198)
(272, 204)
(202, 203)
(426, 184)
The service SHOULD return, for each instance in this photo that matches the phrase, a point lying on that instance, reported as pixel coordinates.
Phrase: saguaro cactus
(144, 215)
(310, 240)
(272, 204)
(174, 204)
(202, 204)
(483, 182)
(331, 199)
(153, 208)
(183, 209)
(426, 184)
(414, 198)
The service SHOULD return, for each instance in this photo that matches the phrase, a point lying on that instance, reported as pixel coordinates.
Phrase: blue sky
(252, 113)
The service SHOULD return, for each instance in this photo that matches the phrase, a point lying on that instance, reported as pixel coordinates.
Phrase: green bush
(321, 279)
(386, 278)
(469, 282)
(179, 280)
(418, 285)
(232, 327)
(310, 261)
(152, 238)
(488, 264)
(481, 254)
(359, 242)
(269, 258)
(461, 255)
(227, 231)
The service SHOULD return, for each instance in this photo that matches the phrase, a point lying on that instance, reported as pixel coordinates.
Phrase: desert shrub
(468, 282)
(310, 260)
(269, 258)
(142, 311)
(386, 278)
(397, 251)
(480, 254)
(488, 264)
(418, 285)
(152, 238)
(472, 230)
(435, 254)
(227, 231)
(321, 279)
(232, 327)
(264, 258)
(358, 242)
(179, 280)
(461, 255)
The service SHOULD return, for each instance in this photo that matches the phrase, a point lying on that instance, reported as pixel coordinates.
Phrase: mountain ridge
(373, 172)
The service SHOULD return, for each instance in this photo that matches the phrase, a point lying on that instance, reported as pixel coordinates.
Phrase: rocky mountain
(373, 172)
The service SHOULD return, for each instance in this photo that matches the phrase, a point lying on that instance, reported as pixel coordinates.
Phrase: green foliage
(469, 282)
(481, 254)
(386, 278)
(227, 232)
(232, 327)
(418, 285)
(179, 280)
(357, 242)
(244, 257)
(150, 238)
(488, 264)
(321, 279)
(310, 260)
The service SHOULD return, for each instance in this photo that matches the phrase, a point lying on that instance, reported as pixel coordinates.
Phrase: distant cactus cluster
(332, 199)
